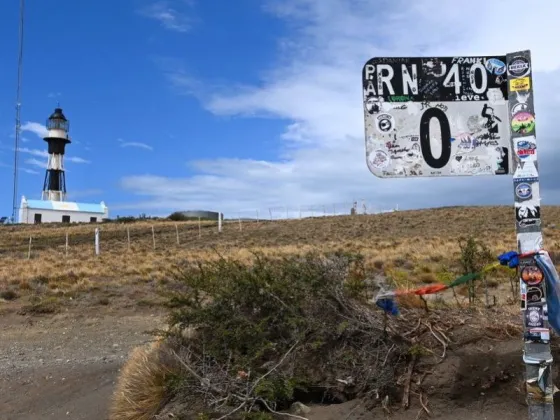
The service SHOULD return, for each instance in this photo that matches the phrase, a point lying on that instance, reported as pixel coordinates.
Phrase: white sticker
(385, 123)
(530, 241)
(378, 159)
(526, 169)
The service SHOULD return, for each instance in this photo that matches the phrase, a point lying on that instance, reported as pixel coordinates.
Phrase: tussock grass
(41, 305)
(140, 391)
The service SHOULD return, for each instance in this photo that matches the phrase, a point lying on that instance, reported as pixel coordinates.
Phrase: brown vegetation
(410, 247)
(327, 335)
(140, 391)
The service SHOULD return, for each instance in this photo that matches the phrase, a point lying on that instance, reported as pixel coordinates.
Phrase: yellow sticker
(523, 83)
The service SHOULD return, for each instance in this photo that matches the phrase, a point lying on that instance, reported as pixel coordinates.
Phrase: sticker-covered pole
(536, 353)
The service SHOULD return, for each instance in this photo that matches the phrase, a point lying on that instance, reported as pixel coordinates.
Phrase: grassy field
(320, 306)
(409, 247)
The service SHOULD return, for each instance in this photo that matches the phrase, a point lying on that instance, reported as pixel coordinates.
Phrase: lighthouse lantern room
(53, 206)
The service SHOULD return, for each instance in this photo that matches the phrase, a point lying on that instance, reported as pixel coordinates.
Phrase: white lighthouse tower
(54, 187)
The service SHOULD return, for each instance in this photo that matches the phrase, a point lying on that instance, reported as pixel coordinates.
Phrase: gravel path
(65, 366)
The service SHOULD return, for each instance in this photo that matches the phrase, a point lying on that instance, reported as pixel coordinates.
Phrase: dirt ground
(65, 366)
(481, 380)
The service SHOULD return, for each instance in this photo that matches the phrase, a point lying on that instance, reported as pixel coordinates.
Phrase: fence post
(29, 249)
(220, 221)
(128, 237)
(199, 229)
(177, 233)
(240, 228)
(153, 237)
(66, 247)
(96, 241)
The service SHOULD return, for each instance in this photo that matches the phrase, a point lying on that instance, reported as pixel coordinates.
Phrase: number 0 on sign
(445, 116)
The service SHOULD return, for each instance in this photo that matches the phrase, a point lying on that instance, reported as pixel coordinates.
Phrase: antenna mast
(18, 112)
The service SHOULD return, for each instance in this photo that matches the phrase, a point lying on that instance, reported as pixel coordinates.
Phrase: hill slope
(420, 245)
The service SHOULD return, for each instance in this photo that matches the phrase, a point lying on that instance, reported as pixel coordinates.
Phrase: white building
(43, 211)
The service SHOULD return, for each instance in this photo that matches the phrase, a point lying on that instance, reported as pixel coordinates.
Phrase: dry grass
(140, 391)
(411, 247)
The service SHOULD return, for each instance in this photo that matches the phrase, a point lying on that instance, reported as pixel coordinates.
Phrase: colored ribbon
(385, 298)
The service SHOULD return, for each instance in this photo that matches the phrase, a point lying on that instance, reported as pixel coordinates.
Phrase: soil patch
(65, 366)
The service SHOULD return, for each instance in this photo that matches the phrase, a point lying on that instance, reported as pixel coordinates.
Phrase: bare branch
(233, 411)
(273, 368)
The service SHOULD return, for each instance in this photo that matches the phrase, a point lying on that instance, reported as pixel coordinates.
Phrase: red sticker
(532, 275)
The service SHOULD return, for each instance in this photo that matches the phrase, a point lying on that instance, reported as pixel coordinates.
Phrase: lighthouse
(53, 207)
(54, 187)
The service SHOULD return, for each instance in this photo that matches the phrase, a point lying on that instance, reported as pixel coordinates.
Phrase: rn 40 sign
(443, 116)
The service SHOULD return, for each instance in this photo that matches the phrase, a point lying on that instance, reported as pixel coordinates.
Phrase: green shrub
(474, 256)
(8, 294)
(269, 330)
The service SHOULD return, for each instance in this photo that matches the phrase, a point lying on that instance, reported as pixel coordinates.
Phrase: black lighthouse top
(57, 132)
(57, 121)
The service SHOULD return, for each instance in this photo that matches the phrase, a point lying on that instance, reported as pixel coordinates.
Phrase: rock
(299, 409)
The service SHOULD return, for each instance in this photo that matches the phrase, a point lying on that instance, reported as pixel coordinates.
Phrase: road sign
(464, 116)
(440, 116)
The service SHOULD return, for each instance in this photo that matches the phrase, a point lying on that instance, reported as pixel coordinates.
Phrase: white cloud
(84, 193)
(29, 171)
(34, 127)
(26, 170)
(76, 159)
(316, 86)
(135, 144)
(169, 17)
(34, 152)
(45, 154)
(36, 162)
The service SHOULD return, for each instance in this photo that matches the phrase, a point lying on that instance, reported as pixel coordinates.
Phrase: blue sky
(238, 106)
(107, 70)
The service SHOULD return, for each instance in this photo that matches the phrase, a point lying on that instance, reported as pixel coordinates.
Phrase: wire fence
(30, 241)
(306, 211)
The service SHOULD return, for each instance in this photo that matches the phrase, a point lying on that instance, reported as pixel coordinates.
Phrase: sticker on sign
(445, 116)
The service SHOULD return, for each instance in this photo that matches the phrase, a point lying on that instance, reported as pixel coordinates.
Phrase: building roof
(57, 115)
(66, 206)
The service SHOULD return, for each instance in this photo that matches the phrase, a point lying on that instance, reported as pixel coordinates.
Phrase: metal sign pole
(485, 112)
(536, 355)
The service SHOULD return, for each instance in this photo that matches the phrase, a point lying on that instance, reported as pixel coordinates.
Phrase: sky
(246, 106)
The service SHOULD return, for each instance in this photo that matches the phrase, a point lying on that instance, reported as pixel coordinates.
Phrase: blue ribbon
(388, 305)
